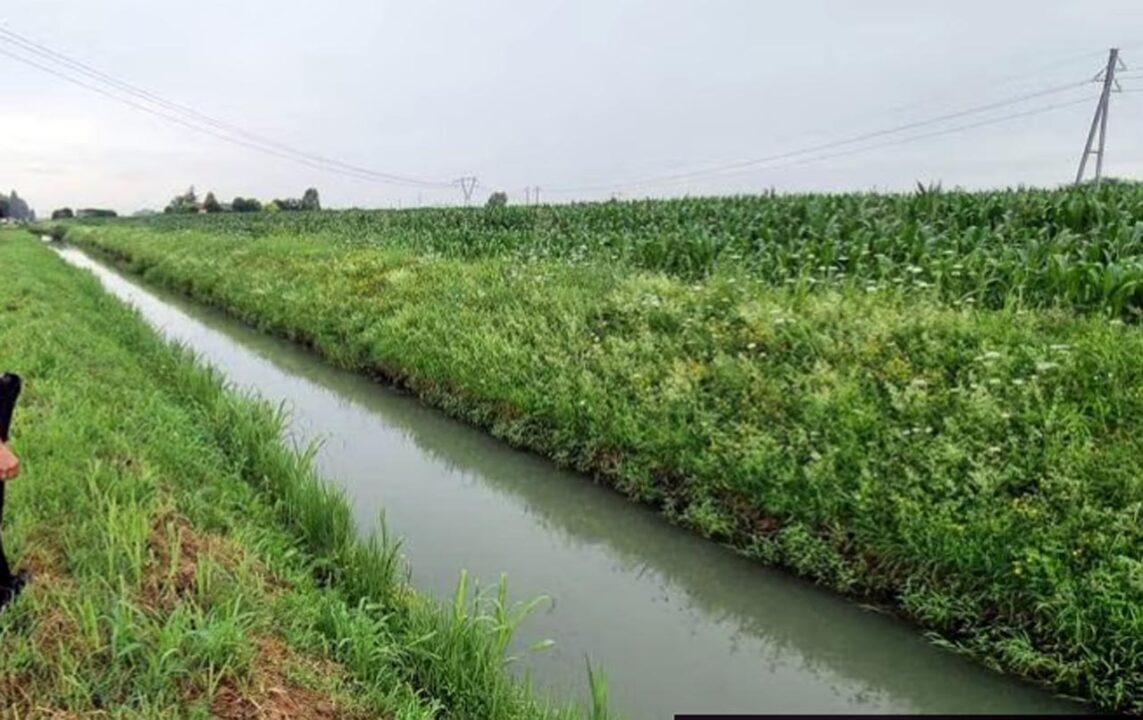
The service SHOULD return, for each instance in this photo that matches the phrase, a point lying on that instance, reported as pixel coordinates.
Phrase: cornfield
(1077, 248)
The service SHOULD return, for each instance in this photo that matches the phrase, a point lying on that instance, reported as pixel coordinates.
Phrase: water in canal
(679, 623)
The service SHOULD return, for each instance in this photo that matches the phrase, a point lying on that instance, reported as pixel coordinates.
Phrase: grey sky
(556, 94)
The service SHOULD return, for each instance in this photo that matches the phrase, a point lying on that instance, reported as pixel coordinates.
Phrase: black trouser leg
(9, 391)
(5, 571)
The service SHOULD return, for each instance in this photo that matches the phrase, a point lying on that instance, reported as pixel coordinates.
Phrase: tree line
(67, 213)
(14, 207)
(188, 203)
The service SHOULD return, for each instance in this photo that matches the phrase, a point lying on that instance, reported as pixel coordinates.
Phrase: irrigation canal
(678, 623)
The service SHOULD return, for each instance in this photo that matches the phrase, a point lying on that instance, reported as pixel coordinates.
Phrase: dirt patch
(20, 703)
(44, 558)
(176, 551)
(271, 694)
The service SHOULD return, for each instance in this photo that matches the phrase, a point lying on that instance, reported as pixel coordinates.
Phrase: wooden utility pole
(1099, 120)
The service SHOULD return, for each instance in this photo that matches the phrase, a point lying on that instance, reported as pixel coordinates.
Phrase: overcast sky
(557, 94)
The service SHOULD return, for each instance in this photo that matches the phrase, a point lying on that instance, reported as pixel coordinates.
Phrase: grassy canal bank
(186, 564)
(933, 401)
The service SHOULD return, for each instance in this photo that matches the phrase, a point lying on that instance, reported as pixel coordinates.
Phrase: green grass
(187, 564)
(1078, 249)
(978, 466)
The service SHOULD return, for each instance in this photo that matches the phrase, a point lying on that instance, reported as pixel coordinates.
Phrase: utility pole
(1099, 120)
(467, 186)
(532, 195)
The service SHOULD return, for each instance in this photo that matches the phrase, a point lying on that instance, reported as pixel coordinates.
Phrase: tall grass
(975, 464)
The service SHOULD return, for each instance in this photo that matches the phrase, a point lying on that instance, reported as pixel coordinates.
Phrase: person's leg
(10, 584)
(5, 571)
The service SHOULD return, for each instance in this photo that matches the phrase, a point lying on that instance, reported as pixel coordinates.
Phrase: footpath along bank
(931, 400)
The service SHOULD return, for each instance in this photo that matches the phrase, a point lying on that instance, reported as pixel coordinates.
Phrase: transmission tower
(1099, 120)
(467, 186)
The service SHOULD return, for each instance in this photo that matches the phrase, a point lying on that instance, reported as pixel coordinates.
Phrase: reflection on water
(680, 624)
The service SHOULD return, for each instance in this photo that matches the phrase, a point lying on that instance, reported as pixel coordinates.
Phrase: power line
(1010, 78)
(914, 138)
(171, 118)
(829, 145)
(931, 99)
(193, 118)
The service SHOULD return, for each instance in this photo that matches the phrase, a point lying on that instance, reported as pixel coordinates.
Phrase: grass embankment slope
(935, 400)
(185, 563)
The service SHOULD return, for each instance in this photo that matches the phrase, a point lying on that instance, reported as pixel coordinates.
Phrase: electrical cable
(827, 145)
(925, 136)
(191, 115)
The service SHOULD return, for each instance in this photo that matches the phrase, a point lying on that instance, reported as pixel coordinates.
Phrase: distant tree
(497, 200)
(5, 206)
(144, 212)
(310, 199)
(95, 213)
(183, 204)
(242, 204)
(210, 203)
(62, 214)
(289, 204)
(272, 207)
(17, 209)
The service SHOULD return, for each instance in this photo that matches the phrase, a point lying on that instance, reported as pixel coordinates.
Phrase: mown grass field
(185, 563)
(933, 400)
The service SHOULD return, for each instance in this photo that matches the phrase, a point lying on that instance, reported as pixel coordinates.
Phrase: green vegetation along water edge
(185, 563)
(933, 400)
